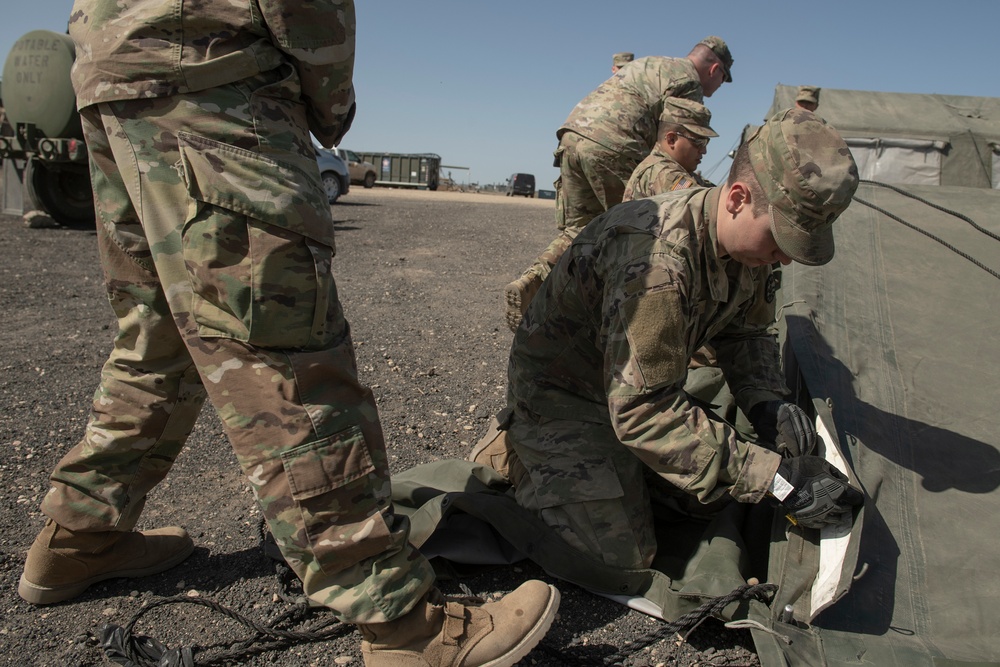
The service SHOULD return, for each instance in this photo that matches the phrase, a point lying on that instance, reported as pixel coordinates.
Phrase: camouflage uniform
(605, 138)
(612, 130)
(808, 94)
(598, 365)
(217, 243)
(660, 173)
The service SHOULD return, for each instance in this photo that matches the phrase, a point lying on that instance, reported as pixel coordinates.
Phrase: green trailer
(406, 170)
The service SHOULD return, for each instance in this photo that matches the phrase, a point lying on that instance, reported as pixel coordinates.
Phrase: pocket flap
(256, 186)
(324, 465)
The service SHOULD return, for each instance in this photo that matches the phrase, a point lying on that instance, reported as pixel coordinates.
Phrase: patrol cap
(693, 116)
(808, 175)
(720, 49)
(808, 94)
(622, 59)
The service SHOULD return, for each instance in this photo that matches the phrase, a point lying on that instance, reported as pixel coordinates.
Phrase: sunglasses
(698, 142)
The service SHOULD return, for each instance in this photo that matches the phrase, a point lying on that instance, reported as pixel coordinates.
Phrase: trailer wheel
(61, 191)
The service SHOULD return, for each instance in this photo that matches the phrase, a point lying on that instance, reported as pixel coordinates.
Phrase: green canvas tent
(894, 343)
(913, 138)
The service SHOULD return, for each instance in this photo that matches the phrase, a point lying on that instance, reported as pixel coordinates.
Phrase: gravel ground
(420, 275)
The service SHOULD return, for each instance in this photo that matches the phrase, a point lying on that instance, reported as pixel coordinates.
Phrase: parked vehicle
(362, 172)
(406, 170)
(41, 140)
(521, 184)
(333, 170)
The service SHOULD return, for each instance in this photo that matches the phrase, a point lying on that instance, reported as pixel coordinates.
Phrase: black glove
(786, 425)
(813, 491)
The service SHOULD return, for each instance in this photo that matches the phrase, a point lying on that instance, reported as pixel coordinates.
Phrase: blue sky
(486, 84)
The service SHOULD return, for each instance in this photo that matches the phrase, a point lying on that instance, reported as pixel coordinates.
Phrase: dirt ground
(420, 276)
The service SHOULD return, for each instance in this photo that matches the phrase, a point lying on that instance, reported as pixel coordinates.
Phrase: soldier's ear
(737, 197)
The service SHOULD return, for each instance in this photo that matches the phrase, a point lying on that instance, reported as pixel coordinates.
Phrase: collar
(716, 267)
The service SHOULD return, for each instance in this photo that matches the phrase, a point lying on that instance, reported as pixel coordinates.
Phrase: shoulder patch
(656, 333)
(683, 183)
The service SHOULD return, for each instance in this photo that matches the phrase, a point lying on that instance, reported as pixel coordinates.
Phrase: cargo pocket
(258, 246)
(331, 483)
(568, 480)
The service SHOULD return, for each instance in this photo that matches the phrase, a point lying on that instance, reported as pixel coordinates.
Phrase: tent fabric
(897, 335)
(968, 125)
(466, 513)
(996, 166)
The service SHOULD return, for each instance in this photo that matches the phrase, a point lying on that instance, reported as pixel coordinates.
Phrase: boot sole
(533, 636)
(513, 317)
(41, 595)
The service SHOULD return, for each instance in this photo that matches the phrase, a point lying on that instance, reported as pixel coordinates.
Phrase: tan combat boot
(495, 451)
(518, 295)
(447, 632)
(62, 563)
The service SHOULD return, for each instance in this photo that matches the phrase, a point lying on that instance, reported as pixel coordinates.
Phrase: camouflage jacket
(622, 114)
(659, 173)
(133, 49)
(608, 338)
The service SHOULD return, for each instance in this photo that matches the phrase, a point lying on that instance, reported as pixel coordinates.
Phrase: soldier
(595, 401)
(619, 60)
(605, 138)
(807, 98)
(682, 139)
(217, 243)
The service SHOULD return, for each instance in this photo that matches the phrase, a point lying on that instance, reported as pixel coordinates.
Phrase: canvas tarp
(950, 135)
(897, 336)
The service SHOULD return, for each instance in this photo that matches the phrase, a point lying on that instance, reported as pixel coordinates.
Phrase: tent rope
(687, 622)
(949, 246)
(960, 216)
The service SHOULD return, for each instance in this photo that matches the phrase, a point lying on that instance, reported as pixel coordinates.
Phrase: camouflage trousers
(587, 486)
(216, 242)
(591, 180)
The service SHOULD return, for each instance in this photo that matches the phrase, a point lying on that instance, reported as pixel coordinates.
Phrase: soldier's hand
(814, 492)
(786, 425)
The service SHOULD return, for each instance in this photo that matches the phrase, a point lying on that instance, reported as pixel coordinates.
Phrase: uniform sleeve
(646, 363)
(747, 349)
(317, 36)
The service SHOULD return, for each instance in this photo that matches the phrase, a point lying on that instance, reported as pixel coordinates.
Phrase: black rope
(964, 218)
(689, 621)
(992, 272)
(123, 646)
(960, 216)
